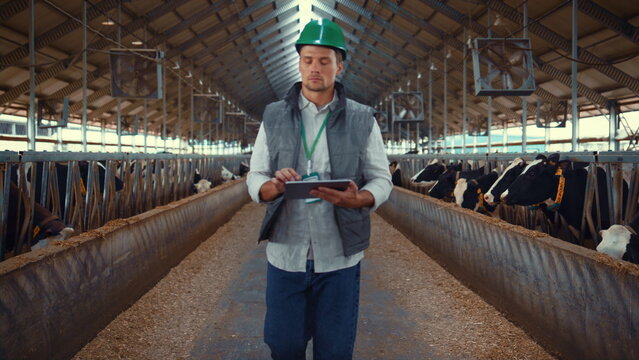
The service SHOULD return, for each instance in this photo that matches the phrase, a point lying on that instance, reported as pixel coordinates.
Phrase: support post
(464, 95)
(613, 127)
(31, 121)
(430, 106)
(445, 98)
(575, 55)
(524, 100)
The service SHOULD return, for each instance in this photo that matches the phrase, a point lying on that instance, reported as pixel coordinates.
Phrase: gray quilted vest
(347, 132)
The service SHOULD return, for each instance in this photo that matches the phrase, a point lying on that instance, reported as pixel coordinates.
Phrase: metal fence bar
(91, 199)
(551, 288)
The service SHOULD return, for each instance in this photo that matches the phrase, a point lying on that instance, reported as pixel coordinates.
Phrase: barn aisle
(211, 307)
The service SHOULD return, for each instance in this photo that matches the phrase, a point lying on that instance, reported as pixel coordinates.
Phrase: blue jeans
(301, 306)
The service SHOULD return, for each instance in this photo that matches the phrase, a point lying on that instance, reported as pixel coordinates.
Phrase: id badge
(311, 177)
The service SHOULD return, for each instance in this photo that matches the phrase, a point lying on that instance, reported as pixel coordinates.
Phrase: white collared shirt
(309, 230)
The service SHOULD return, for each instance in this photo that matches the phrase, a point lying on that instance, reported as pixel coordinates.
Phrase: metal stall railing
(621, 173)
(574, 301)
(86, 190)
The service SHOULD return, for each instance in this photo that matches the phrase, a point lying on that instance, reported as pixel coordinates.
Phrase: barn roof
(243, 50)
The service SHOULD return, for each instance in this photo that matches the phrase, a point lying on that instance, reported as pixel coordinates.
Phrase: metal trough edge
(54, 300)
(575, 302)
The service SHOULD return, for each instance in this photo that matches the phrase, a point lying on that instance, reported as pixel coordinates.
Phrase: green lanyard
(309, 153)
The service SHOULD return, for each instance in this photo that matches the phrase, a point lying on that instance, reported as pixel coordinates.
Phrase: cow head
(469, 192)
(535, 184)
(244, 168)
(509, 175)
(227, 175)
(393, 166)
(615, 240)
(445, 182)
(429, 174)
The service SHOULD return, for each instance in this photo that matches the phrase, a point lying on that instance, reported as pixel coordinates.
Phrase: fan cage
(560, 110)
(205, 109)
(139, 56)
(129, 125)
(60, 116)
(483, 86)
(398, 104)
(382, 120)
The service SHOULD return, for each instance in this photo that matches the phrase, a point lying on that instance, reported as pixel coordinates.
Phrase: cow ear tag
(314, 176)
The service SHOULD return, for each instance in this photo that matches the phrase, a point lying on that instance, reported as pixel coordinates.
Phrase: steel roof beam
(281, 11)
(57, 32)
(589, 93)
(12, 8)
(284, 45)
(283, 37)
(325, 11)
(52, 71)
(609, 20)
(280, 25)
(562, 43)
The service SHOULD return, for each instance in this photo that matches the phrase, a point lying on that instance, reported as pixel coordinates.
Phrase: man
(315, 245)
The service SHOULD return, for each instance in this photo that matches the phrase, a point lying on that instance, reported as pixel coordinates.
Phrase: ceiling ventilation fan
(129, 124)
(508, 67)
(204, 108)
(477, 126)
(382, 120)
(53, 113)
(408, 106)
(136, 73)
(551, 114)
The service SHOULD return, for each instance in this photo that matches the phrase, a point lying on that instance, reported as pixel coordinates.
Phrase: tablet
(301, 189)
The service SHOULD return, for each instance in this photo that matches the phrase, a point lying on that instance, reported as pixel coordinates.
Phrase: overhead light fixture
(108, 22)
(136, 42)
(419, 75)
(189, 75)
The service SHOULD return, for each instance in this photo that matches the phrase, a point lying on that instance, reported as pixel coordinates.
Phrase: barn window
(21, 129)
(6, 128)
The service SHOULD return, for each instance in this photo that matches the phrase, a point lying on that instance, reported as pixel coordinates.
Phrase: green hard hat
(322, 32)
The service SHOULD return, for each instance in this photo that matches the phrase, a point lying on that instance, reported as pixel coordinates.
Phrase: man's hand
(349, 198)
(275, 187)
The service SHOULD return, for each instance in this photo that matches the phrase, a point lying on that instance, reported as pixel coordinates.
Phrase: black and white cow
(200, 185)
(621, 241)
(446, 182)
(46, 226)
(61, 172)
(469, 194)
(493, 195)
(244, 168)
(429, 175)
(540, 184)
(227, 175)
(396, 173)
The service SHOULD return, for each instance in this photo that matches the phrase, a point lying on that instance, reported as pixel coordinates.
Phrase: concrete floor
(234, 329)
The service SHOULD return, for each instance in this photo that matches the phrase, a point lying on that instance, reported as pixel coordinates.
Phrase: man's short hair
(338, 56)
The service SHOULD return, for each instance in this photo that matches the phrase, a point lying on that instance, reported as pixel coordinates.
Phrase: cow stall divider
(55, 300)
(86, 190)
(574, 301)
(620, 167)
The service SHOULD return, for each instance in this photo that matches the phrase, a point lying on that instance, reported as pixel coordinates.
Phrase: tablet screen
(301, 189)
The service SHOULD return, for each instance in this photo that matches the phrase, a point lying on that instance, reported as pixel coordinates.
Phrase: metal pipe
(119, 101)
(164, 104)
(524, 100)
(575, 55)
(464, 95)
(430, 106)
(445, 97)
(31, 121)
(613, 130)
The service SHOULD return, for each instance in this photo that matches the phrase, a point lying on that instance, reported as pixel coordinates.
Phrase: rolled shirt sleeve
(376, 172)
(260, 171)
